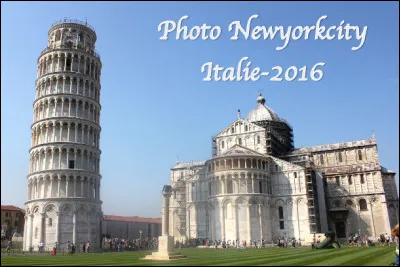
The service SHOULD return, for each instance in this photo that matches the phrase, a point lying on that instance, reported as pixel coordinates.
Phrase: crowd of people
(355, 240)
(121, 244)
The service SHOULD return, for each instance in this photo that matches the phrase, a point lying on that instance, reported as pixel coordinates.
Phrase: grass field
(372, 256)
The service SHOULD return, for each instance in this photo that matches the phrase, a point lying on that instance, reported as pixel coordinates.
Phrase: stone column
(260, 217)
(66, 186)
(373, 220)
(58, 228)
(82, 179)
(249, 221)
(29, 234)
(234, 206)
(74, 228)
(41, 227)
(165, 216)
(59, 184)
(222, 220)
(88, 186)
(252, 183)
(25, 234)
(59, 158)
(51, 186)
(75, 185)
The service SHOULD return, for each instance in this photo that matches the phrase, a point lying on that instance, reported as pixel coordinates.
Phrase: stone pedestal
(165, 242)
(165, 250)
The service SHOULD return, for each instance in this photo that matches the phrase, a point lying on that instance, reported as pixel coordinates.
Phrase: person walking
(387, 238)
(8, 246)
(366, 239)
(395, 233)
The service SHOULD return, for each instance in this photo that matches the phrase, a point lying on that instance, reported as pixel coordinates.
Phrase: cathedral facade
(258, 186)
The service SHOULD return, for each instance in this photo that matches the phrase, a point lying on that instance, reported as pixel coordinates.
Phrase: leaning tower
(64, 175)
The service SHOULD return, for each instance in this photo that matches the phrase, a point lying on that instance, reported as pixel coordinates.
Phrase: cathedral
(257, 185)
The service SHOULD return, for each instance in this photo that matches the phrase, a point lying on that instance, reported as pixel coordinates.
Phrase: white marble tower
(64, 175)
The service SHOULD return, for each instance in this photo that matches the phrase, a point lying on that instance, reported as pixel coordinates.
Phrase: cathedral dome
(262, 112)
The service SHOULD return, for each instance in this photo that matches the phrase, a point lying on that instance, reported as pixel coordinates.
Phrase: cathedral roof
(184, 165)
(238, 150)
(262, 112)
(131, 219)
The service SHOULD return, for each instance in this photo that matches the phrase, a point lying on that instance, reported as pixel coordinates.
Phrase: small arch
(363, 205)
(359, 155)
(350, 180)
(258, 139)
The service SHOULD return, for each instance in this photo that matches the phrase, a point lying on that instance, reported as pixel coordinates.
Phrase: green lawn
(371, 256)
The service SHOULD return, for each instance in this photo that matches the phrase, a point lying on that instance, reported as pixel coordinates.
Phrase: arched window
(340, 157)
(321, 159)
(281, 222)
(260, 186)
(50, 221)
(295, 174)
(229, 187)
(246, 128)
(350, 180)
(359, 155)
(363, 204)
(337, 180)
(240, 141)
(280, 212)
(362, 178)
(232, 130)
(258, 139)
(222, 144)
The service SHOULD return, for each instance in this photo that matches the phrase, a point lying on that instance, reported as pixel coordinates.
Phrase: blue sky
(155, 106)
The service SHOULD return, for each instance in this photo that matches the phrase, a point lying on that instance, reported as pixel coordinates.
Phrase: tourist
(54, 251)
(83, 247)
(366, 240)
(395, 233)
(73, 249)
(41, 246)
(355, 240)
(299, 243)
(382, 240)
(387, 237)
(350, 239)
(293, 242)
(8, 246)
(88, 247)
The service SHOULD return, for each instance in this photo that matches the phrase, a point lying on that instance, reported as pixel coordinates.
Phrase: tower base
(165, 250)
